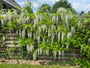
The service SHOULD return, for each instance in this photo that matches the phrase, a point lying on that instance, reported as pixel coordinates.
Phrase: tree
(28, 7)
(73, 10)
(64, 4)
(45, 8)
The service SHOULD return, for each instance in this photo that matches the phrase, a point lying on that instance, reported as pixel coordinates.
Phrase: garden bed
(37, 62)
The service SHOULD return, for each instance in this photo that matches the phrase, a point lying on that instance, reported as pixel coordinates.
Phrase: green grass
(30, 66)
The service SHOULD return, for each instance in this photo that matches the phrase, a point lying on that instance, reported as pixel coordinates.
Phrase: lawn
(30, 66)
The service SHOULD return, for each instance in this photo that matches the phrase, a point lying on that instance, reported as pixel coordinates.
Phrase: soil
(31, 62)
(37, 62)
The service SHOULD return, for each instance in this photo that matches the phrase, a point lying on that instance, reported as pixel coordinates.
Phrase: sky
(78, 5)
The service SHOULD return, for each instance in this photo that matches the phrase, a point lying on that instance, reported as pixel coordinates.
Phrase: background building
(7, 4)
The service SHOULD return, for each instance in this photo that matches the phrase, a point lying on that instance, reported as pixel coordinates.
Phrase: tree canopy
(64, 4)
(45, 8)
(28, 7)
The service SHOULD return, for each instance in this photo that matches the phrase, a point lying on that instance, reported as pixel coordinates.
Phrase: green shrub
(85, 63)
(71, 62)
(62, 63)
(53, 62)
(2, 60)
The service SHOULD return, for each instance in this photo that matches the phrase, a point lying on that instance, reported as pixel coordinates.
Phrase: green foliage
(40, 25)
(61, 3)
(28, 7)
(1, 32)
(65, 4)
(18, 9)
(12, 24)
(85, 63)
(3, 54)
(53, 62)
(25, 42)
(1, 6)
(81, 39)
(45, 8)
(62, 63)
(74, 11)
(73, 21)
(71, 62)
(46, 21)
(12, 49)
(64, 29)
(2, 60)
